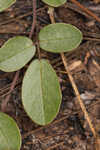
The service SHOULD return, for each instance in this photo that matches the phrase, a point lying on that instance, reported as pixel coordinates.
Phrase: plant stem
(34, 19)
(78, 94)
(51, 14)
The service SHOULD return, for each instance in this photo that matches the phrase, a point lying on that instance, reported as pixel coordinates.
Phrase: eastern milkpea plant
(41, 94)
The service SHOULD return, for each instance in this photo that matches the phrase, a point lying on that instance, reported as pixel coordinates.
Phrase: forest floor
(70, 129)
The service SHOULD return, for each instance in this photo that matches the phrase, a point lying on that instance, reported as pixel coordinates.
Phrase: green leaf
(10, 138)
(59, 37)
(4, 4)
(54, 3)
(41, 93)
(15, 53)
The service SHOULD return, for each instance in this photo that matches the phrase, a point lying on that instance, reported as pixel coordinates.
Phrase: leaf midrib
(64, 38)
(17, 53)
(41, 90)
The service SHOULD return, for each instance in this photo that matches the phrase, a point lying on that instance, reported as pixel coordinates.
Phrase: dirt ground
(70, 130)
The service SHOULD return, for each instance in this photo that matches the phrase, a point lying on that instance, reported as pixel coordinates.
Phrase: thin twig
(21, 16)
(86, 10)
(4, 104)
(78, 95)
(34, 19)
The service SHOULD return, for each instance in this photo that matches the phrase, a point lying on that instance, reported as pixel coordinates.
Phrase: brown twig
(78, 95)
(51, 11)
(20, 17)
(5, 102)
(86, 10)
(34, 19)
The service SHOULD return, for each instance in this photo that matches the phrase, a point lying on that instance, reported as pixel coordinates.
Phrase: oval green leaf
(41, 93)
(4, 4)
(10, 138)
(15, 53)
(54, 3)
(59, 37)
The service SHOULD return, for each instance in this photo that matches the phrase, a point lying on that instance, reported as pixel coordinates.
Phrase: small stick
(78, 95)
(34, 19)
(86, 10)
(4, 104)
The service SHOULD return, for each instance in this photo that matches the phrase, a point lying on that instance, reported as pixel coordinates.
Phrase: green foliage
(59, 37)
(4, 4)
(41, 93)
(10, 138)
(15, 53)
(54, 3)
